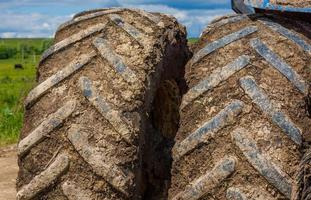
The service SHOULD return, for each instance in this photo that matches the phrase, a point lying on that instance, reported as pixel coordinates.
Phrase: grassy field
(192, 40)
(14, 86)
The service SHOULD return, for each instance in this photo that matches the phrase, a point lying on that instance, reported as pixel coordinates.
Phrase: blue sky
(40, 18)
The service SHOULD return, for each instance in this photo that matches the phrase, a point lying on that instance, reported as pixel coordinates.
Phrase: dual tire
(107, 102)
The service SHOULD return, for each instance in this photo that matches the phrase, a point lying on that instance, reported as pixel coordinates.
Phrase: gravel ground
(8, 172)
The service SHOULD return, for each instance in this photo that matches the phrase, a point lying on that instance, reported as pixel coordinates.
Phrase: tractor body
(297, 8)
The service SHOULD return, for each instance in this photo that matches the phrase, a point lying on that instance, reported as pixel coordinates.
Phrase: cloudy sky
(40, 18)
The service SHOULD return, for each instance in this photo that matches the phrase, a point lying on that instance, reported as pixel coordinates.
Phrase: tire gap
(308, 104)
(160, 140)
(163, 123)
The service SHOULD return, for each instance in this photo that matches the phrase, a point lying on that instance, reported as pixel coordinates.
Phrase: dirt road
(8, 172)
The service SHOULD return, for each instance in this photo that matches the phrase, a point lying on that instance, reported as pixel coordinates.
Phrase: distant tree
(45, 45)
(3, 53)
(12, 51)
(27, 50)
(7, 52)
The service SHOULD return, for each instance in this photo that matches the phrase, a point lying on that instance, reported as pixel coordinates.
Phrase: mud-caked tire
(86, 119)
(244, 122)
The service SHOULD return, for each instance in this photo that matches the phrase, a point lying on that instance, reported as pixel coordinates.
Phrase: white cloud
(29, 25)
(195, 20)
(8, 35)
(14, 3)
(46, 25)
(180, 2)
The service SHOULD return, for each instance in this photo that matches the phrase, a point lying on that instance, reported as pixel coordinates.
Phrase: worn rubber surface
(85, 122)
(244, 122)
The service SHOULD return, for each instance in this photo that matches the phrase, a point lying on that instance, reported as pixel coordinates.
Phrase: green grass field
(14, 86)
(192, 40)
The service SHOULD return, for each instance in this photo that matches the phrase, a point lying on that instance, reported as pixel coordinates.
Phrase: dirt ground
(8, 172)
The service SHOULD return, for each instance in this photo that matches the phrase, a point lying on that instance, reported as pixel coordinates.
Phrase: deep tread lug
(209, 48)
(280, 65)
(212, 81)
(113, 116)
(259, 161)
(205, 183)
(101, 165)
(209, 129)
(259, 97)
(45, 178)
(46, 127)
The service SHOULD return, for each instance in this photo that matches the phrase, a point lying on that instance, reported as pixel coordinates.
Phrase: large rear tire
(243, 121)
(86, 120)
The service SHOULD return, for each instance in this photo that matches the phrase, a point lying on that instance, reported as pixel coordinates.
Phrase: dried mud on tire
(87, 119)
(111, 117)
(243, 122)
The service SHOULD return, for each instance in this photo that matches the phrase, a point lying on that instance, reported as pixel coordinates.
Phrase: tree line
(23, 50)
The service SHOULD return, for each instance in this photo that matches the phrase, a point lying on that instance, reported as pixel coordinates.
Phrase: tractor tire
(243, 122)
(86, 121)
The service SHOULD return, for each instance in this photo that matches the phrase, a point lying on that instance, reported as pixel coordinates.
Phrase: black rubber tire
(244, 123)
(86, 120)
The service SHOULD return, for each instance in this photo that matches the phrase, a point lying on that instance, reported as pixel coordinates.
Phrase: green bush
(23, 49)
(6, 79)
(45, 45)
(7, 52)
